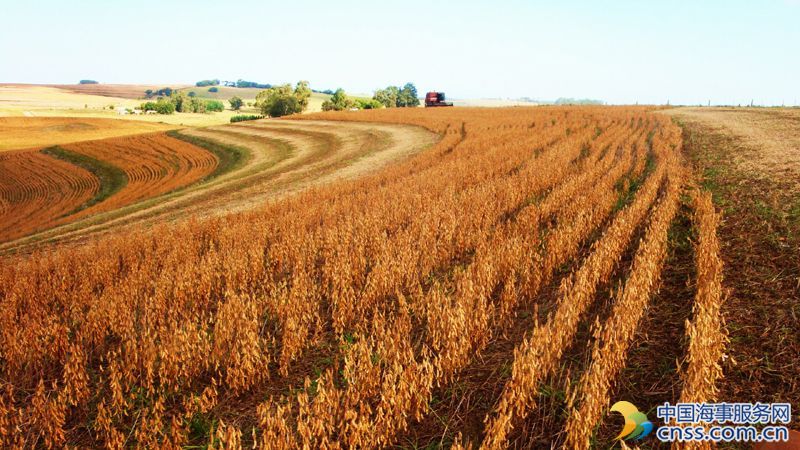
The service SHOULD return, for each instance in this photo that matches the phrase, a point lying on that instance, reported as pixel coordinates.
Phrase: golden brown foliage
(706, 332)
(153, 164)
(328, 319)
(35, 132)
(37, 190)
(615, 336)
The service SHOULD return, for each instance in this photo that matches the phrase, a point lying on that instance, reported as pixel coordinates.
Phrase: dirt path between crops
(770, 137)
(286, 156)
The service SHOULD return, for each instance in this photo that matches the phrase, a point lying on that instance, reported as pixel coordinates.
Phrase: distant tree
(282, 100)
(164, 92)
(192, 93)
(388, 97)
(191, 104)
(195, 105)
(88, 82)
(368, 104)
(327, 92)
(214, 105)
(178, 100)
(283, 105)
(162, 106)
(394, 96)
(203, 83)
(338, 102)
(251, 84)
(279, 102)
(408, 96)
(213, 89)
(236, 103)
(303, 93)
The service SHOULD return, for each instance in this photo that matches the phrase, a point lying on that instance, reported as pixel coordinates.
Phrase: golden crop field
(485, 290)
(153, 164)
(88, 103)
(29, 132)
(36, 190)
(132, 91)
(42, 189)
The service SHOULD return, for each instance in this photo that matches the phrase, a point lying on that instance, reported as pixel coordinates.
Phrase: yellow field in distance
(50, 101)
(32, 132)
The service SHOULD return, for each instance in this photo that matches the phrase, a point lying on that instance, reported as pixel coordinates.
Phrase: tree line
(178, 102)
(390, 97)
(398, 97)
(204, 83)
(277, 101)
(280, 100)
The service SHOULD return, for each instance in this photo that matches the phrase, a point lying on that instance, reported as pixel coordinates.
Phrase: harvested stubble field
(749, 158)
(438, 300)
(132, 91)
(18, 101)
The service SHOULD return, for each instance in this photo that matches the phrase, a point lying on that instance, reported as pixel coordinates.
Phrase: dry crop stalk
(617, 333)
(706, 331)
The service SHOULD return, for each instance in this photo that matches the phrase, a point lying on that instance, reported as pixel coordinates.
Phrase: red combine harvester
(436, 99)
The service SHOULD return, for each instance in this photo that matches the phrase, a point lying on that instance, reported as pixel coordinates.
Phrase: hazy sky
(618, 51)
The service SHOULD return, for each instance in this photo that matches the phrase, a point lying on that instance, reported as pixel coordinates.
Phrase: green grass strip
(230, 157)
(112, 178)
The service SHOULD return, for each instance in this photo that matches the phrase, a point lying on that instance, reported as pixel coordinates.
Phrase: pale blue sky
(618, 51)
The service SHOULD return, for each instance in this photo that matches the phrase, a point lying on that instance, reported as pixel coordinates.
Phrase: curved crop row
(154, 164)
(37, 190)
(57, 185)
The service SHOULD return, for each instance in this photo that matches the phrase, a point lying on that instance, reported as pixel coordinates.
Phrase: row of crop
(706, 332)
(616, 334)
(154, 164)
(538, 356)
(36, 190)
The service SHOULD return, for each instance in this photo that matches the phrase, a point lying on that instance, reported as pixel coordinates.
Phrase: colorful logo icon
(636, 424)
